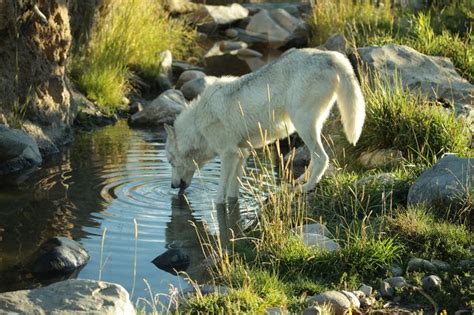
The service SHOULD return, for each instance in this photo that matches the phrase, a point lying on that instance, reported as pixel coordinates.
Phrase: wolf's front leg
(228, 166)
(236, 176)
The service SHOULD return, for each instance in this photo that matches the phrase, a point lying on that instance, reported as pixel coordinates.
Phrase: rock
(396, 270)
(337, 42)
(431, 283)
(69, 297)
(441, 265)
(466, 264)
(396, 282)
(296, 9)
(352, 298)
(319, 241)
(135, 107)
(189, 75)
(367, 302)
(211, 17)
(226, 45)
(193, 88)
(380, 158)
(164, 81)
(366, 289)
(313, 310)
(173, 261)
(387, 180)
(463, 312)
(205, 289)
(386, 289)
(253, 39)
(263, 24)
(338, 301)
(180, 6)
(89, 114)
(18, 150)
(435, 77)
(161, 110)
(275, 311)
(231, 33)
(314, 228)
(301, 156)
(179, 67)
(444, 184)
(234, 62)
(58, 255)
(359, 294)
(418, 264)
(166, 63)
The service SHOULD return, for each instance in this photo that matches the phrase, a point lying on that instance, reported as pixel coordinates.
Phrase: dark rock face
(34, 51)
(58, 255)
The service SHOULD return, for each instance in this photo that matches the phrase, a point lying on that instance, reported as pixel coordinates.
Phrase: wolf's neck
(190, 137)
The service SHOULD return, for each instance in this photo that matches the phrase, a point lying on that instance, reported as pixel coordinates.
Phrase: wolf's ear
(170, 131)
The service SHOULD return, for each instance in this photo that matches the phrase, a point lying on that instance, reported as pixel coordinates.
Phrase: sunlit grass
(129, 37)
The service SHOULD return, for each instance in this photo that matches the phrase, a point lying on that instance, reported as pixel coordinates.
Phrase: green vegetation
(367, 24)
(128, 37)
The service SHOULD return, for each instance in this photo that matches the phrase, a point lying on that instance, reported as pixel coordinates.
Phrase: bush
(129, 37)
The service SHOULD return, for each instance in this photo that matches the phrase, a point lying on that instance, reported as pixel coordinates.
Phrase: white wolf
(295, 92)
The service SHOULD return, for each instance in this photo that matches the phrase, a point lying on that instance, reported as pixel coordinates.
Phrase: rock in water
(69, 297)
(172, 261)
(17, 150)
(58, 255)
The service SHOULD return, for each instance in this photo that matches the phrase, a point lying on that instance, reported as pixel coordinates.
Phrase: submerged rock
(58, 255)
(69, 297)
(18, 150)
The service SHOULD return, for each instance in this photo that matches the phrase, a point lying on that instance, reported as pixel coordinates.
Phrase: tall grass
(129, 37)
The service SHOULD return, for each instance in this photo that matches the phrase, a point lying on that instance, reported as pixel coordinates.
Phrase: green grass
(397, 119)
(129, 37)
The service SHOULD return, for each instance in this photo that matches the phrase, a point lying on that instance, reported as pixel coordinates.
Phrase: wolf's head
(182, 164)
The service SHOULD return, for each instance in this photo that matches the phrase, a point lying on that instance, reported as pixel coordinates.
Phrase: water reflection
(104, 182)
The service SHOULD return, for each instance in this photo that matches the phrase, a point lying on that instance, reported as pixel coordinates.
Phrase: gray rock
(396, 270)
(418, 264)
(446, 183)
(386, 180)
(264, 25)
(294, 8)
(301, 156)
(319, 241)
(432, 282)
(368, 301)
(233, 62)
(396, 282)
(313, 310)
(173, 260)
(58, 255)
(386, 289)
(352, 298)
(313, 228)
(163, 109)
(337, 42)
(441, 265)
(466, 264)
(380, 158)
(69, 297)
(366, 289)
(179, 67)
(246, 53)
(231, 33)
(227, 45)
(188, 76)
(338, 301)
(210, 17)
(434, 77)
(18, 150)
(193, 88)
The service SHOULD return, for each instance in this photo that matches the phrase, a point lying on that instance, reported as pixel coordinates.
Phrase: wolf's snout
(182, 185)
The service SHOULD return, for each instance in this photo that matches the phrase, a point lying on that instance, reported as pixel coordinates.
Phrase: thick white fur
(295, 92)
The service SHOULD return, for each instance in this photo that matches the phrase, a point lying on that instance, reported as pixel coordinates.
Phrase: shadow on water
(94, 192)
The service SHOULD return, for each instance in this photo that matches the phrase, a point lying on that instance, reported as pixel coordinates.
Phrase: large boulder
(69, 297)
(18, 150)
(162, 110)
(446, 183)
(58, 255)
(33, 86)
(435, 77)
(278, 27)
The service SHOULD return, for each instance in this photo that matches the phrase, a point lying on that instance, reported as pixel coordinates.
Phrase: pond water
(95, 190)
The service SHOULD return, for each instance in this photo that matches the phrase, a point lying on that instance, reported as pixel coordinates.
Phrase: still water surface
(100, 185)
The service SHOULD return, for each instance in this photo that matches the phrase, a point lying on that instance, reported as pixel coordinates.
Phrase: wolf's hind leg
(310, 132)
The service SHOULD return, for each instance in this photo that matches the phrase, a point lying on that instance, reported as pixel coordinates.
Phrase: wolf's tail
(350, 100)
